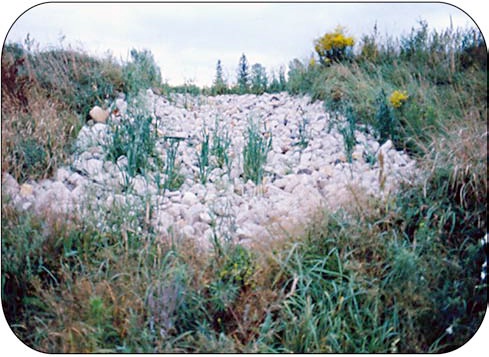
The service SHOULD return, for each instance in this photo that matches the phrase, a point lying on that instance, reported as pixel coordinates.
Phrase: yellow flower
(398, 98)
(312, 62)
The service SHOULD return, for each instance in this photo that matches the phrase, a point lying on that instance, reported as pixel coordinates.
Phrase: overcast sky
(188, 39)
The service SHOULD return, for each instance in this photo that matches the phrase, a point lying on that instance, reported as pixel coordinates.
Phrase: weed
(304, 134)
(348, 133)
(221, 143)
(173, 178)
(203, 157)
(255, 153)
(135, 138)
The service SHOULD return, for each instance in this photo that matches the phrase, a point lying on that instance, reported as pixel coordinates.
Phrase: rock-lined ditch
(306, 169)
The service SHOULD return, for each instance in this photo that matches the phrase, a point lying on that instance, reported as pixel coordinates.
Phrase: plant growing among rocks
(221, 142)
(348, 133)
(203, 157)
(257, 146)
(133, 138)
(174, 179)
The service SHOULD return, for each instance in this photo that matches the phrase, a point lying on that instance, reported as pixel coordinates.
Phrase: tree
(274, 86)
(243, 75)
(281, 78)
(220, 86)
(259, 80)
(142, 72)
(333, 46)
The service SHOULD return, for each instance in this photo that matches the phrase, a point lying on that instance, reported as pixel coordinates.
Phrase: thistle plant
(255, 153)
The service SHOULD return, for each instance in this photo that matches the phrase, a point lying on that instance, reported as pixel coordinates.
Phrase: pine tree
(219, 83)
(243, 75)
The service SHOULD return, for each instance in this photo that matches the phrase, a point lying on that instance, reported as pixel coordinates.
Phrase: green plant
(243, 79)
(203, 157)
(334, 46)
(174, 179)
(135, 138)
(221, 143)
(141, 72)
(255, 152)
(348, 133)
(385, 123)
(303, 132)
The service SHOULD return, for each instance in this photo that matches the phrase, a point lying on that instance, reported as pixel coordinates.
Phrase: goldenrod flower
(398, 98)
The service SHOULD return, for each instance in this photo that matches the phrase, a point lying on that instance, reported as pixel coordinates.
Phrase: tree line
(249, 79)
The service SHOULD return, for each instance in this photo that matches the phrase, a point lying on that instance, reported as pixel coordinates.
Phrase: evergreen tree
(243, 75)
(259, 80)
(219, 83)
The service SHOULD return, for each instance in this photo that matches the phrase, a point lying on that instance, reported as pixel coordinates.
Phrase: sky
(188, 39)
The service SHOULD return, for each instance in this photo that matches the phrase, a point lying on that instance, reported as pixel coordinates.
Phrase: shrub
(333, 46)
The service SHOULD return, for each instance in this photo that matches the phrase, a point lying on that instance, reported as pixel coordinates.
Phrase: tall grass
(255, 152)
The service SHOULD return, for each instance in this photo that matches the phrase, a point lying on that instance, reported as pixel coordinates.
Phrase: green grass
(255, 153)
(203, 157)
(135, 138)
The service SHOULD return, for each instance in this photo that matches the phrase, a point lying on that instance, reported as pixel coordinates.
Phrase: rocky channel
(306, 169)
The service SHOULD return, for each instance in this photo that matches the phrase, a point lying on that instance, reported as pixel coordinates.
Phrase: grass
(399, 275)
(203, 157)
(255, 153)
(221, 143)
(134, 137)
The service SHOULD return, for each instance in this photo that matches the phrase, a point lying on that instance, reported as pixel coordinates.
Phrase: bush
(333, 46)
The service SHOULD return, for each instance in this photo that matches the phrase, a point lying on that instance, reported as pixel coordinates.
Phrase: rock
(188, 232)
(10, 185)
(189, 199)
(304, 171)
(298, 181)
(26, 190)
(58, 198)
(205, 217)
(121, 105)
(192, 214)
(98, 114)
(163, 221)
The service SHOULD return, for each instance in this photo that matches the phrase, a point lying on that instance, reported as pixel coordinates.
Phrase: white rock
(98, 114)
(26, 190)
(164, 221)
(189, 199)
(10, 185)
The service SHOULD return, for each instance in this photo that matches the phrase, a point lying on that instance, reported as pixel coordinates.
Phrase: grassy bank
(398, 275)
